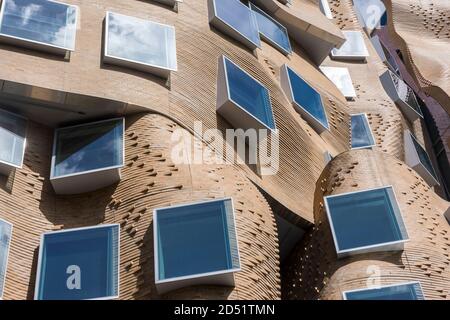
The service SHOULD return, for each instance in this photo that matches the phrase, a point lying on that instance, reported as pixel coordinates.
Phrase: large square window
(140, 44)
(41, 24)
(341, 79)
(354, 48)
(12, 141)
(362, 136)
(404, 291)
(195, 244)
(5, 240)
(241, 99)
(87, 157)
(79, 264)
(366, 221)
(236, 20)
(305, 98)
(271, 30)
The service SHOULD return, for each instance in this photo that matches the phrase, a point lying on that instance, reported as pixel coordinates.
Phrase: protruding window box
(170, 3)
(402, 95)
(140, 44)
(241, 99)
(417, 158)
(354, 47)
(384, 54)
(12, 141)
(327, 157)
(79, 264)
(341, 79)
(195, 244)
(325, 8)
(366, 221)
(236, 20)
(306, 100)
(401, 291)
(371, 14)
(362, 136)
(39, 24)
(5, 241)
(87, 157)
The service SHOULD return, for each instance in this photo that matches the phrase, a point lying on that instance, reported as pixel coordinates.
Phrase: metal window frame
(344, 293)
(367, 124)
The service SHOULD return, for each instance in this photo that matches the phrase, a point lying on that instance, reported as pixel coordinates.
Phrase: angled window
(87, 157)
(362, 136)
(236, 20)
(140, 44)
(384, 54)
(241, 99)
(327, 156)
(195, 244)
(325, 8)
(79, 264)
(271, 30)
(417, 158)
(12, 141)
(354, 48)
(371, 14)
(171, 3)
(39, 24)
(5, 240)
(341, 79)
(366, 221)
(306, 100)
(402, 291)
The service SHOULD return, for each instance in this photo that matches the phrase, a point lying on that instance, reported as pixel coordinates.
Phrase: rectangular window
(305, 98)
(325, 8)
(271, 30)
(42, 24)
(362, 136)
(366, 221)
(403, 291)
(341, 79)
(5, 241)
(384, 54)
(354, 48)
(79, 264)
(195, 244)
(141, 44)
(12, 141)
(371, 13)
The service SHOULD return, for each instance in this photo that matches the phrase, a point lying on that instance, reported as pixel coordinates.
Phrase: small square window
(87, 157)
(366, 221)
(140, 44)
(362, 136)
(79, 264)
(5, 241)
(403, 291)
(39, 24)
(341, 79)
(12, 141)
(354, 48)
(195, 244)
(305, 98)
(325, 8)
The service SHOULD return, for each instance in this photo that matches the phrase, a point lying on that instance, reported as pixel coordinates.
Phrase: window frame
(344, 293)
(12, 165)
(327, 70)
(8, 251)
(366, 123)
(350, 56)
(325, 8)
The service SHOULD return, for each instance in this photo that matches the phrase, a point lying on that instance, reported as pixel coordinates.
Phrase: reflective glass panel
(5, 239)
(12, 138)
(361, 134)
(410, 291)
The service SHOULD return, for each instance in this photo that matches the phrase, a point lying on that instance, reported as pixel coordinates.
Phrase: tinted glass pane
(341, 78)
(5, 239)
(364, 218)
(196, 239)
(406, 93)
(40, 21)
(400, 292)
(89, 147)
(271, 30)
(307, 98)
(424, 158)
(372, 12)
(249, 94)
(353, 47)
(361, 133)
(12, 138)
(79, 264)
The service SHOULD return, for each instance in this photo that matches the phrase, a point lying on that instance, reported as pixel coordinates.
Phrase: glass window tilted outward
(79, 264)
(88, 147)
(404, 291)
(362, 136)
(365, 221)
(43, 22)
(406, 94)
(5, 239)
(423, 157)
(342, 80)
(271, 30)
(353, 48)
(12, 138)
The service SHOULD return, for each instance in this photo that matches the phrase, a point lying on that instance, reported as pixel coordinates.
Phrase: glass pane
(271, 29)
(372, 12)
(40, 21)
(89, 147)
(12, 138)
(307, 98)
(361, 133)
(5, 239)
(196, 239)
(141, 41)
(353, 47)
(423, 157)
(401, 292)
(341, 78)
(405, 93)
(364, 218)
(249, 94)
(79, 264)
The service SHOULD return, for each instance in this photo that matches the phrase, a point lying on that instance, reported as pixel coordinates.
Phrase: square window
(271, 30)
(79, 264)
(12, 141)
(140, 44)
(362, 136)
(39, 24)
(87, 157)
(195, 244)
(354, 48)
(341, 79)
(366, 221)
(305, 98)
(5, 240)
(241, 99)
(404, 291)
(236, 20)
